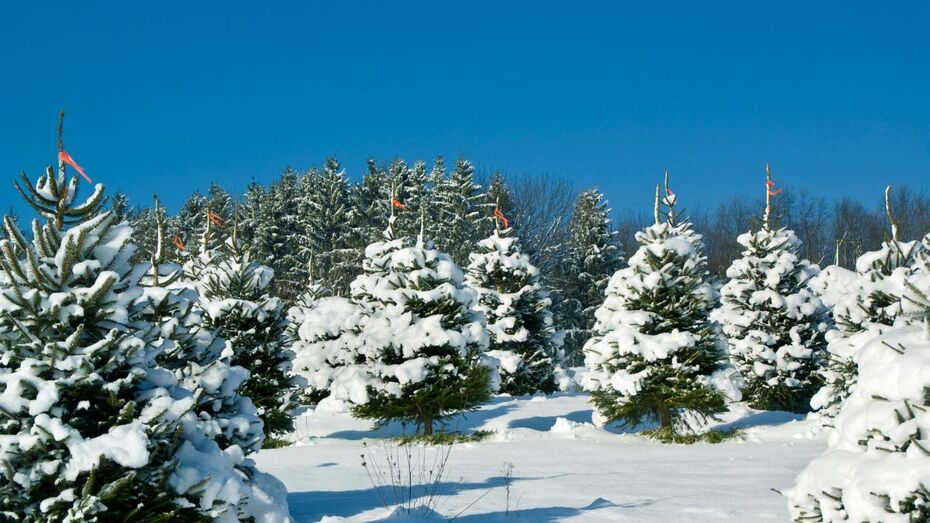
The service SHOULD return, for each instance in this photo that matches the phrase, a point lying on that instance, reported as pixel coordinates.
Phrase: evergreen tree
(120, 207)
(876, 464)
(193, 352)
(327, 220)
(654, 345)
(93, 429)
(499, 194)
(418, 200)
(234, 297)
(220, 202)
(519, 321)
(370, 200)
(284, 235)
(186, 224)
(255, 221)
(864, 304)
(594, 256)
(774, 323)
(462, 212)
(423, 363)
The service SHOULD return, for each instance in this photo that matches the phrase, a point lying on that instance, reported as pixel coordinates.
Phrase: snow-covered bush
(654, 347)
(519, 321)
(330, 331)
(864, 304)
(408, 344)
(774, 323)
(877, 465)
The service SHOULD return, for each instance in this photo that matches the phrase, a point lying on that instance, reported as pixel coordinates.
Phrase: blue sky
(164, 97)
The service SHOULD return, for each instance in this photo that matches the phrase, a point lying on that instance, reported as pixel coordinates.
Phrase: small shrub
(669, 435)
(444, 438)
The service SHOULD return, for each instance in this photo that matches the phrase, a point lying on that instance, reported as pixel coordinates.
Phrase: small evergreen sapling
(516, 306)
(235, 299)
(654, 346)
(774, 323)
(408, 344)
(594, 256)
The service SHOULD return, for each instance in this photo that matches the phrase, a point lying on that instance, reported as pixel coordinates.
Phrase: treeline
(313, 226)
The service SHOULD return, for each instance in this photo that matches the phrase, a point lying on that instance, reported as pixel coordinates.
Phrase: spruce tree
(462, 211)
(418, 200)
(516, 305)
(93, 429)
(254, 220)
(283, 234)
(234, 296)
(407, 346)
(876, 464)
(187, 222)
(327, 222)
(371, 202)
(194, 352)
(864, 303)
(774, 323)
(593, 257)
(654, 346)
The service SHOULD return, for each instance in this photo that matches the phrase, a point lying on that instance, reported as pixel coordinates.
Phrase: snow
(877, 465)
(124, 444)
(564, 468)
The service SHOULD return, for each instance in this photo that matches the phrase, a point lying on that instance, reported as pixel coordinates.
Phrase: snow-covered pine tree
(594, 256)
(120, 206)
(186, 224)
(516, 305)
(326, 219)
(284, 233)
(92, 428)
(864, 303)
(193, 352)
(461, 210)
(255, 221)
(220, 202)
(774, 323)
(201, 361)
(654, 346)
(234, 296)
(499, 193)
(407, 346)
(418, 200)
(370, 203)
(877, 463)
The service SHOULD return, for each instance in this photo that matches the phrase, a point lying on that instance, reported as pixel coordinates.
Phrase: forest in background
(312, 226)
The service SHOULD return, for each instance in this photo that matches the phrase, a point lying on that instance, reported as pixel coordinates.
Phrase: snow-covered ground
(562, 469)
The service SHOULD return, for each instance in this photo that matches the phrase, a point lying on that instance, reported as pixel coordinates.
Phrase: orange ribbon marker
(398, 204)
(64, 157)
(216, 219)
(500, 216)
(772, 190)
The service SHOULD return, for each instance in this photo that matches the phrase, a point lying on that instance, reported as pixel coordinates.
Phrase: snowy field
(563, 468)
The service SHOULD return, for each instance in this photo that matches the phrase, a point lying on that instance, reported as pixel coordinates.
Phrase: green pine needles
(654, 346)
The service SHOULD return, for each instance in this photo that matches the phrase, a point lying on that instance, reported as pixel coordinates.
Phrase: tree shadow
(758, 419)
(313, 505)
(464, 422)
(544, 423)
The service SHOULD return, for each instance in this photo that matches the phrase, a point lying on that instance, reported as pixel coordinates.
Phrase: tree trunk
(428, 425)
(665, 415)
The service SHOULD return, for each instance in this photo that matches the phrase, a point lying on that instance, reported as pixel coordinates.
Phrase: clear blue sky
(164, 97)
